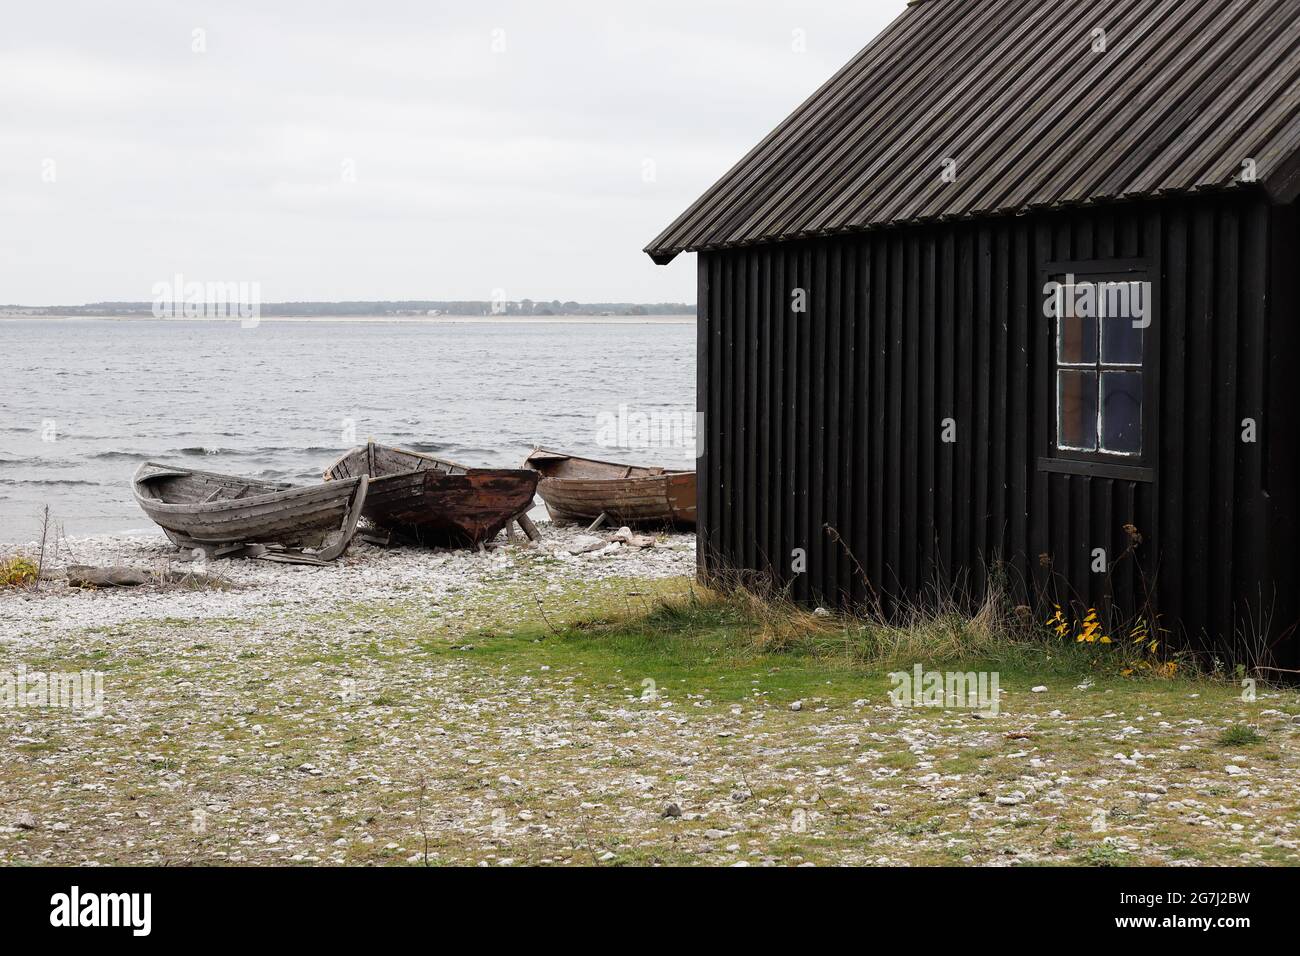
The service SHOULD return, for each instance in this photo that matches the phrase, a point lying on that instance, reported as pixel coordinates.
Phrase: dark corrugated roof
(1186, 91)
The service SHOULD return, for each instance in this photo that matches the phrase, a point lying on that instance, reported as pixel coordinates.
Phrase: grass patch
(698, 643)
(697, 630)
(1239, 735)
(1103, 854)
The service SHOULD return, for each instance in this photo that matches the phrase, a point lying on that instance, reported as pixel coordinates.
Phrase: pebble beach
(261, 591)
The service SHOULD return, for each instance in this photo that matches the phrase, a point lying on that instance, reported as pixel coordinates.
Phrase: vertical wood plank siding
(822, 430)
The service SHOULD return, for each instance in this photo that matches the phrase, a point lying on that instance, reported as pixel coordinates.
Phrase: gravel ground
(264, 591)
(388, 709)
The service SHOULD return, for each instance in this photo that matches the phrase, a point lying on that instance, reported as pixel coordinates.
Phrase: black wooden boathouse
(900, 381)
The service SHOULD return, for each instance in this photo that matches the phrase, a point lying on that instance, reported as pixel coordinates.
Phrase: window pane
(1076, 341)
(1076, 300)
(1121, 343)
(1077, 409)
(1123, 300)
(1121, 412)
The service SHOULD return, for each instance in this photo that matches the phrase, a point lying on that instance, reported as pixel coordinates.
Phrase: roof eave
(1283, 187)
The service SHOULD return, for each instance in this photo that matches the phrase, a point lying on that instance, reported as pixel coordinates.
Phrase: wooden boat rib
(433, 501)
(221, 513)
(581, 489)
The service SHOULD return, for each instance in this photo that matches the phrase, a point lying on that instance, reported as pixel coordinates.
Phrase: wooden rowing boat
(582, 489)
(433, 501)
(230, 516)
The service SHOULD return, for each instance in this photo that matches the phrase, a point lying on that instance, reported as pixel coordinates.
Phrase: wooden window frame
(1102, 464)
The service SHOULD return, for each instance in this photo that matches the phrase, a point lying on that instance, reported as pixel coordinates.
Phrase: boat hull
(582, 489)
(213, 510)
(433, 502)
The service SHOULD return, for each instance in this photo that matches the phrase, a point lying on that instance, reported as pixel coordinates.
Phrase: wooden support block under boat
(578, 489)
(226, 515)
(526, 525)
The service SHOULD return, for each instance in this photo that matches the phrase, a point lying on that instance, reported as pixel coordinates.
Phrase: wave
(262, 450)
(47, 481)
(51, 463)
(119, 456)
(199, 451)
(428, 447)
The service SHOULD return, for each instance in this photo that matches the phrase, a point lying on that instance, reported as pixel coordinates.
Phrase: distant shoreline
(403, 319)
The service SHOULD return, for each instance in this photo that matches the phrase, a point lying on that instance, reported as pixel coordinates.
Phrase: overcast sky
(337, 149)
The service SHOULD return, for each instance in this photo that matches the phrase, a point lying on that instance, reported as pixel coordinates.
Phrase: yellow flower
(1057, 622)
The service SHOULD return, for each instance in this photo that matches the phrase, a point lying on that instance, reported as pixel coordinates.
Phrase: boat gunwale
(666, 473)
(465, 470)
(405, 451)
(285, 493)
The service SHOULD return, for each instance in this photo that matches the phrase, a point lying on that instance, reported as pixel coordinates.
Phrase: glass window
(1076, 342)
(1100, 331)
(1121, 342)
(1121, 412)
(1077, 407)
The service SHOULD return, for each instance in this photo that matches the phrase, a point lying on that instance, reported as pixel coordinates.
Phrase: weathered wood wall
(832, 419)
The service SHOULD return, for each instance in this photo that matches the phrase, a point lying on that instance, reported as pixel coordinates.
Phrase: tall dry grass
(951, 626)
